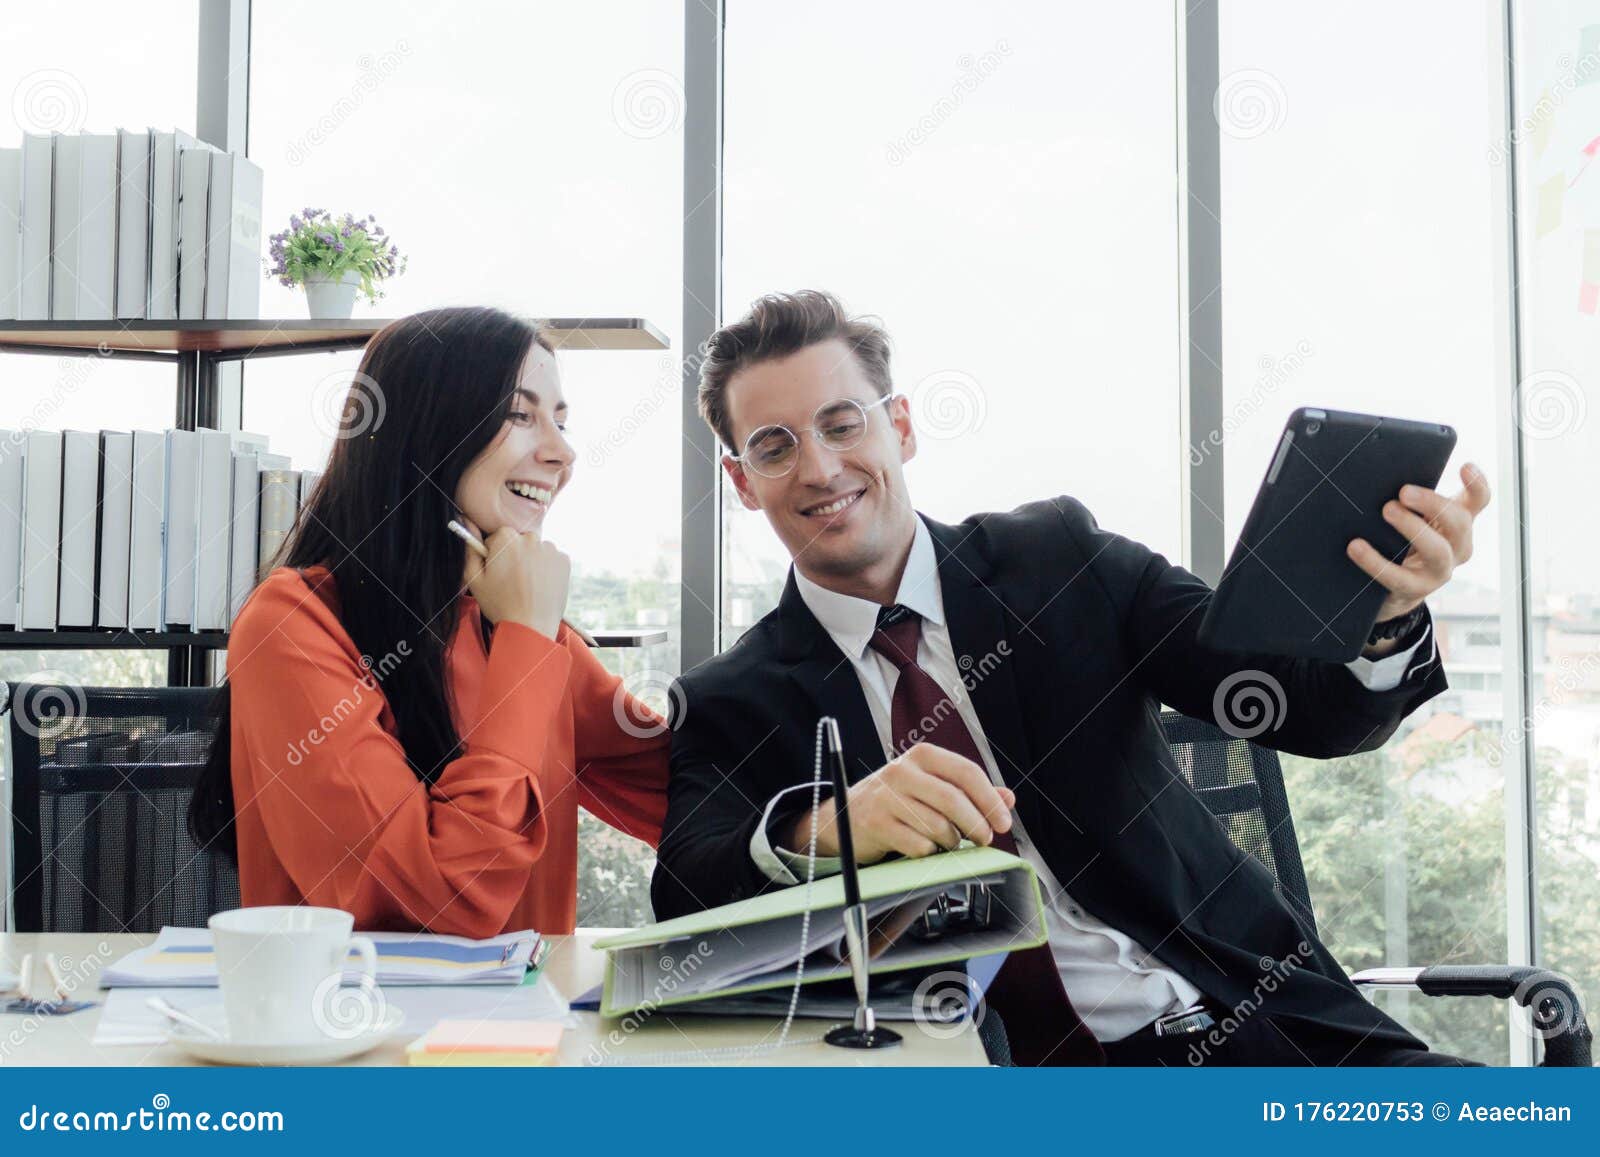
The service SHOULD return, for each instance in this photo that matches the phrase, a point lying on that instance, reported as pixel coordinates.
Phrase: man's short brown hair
(777, 325)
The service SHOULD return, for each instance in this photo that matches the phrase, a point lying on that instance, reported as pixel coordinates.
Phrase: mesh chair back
(101, 779)
(1242, 785)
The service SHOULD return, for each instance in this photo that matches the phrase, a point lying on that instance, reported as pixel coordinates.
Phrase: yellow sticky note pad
(486, 1042)
(473, 1059)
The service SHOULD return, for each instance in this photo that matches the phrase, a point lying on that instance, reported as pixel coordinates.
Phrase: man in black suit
(999, 680)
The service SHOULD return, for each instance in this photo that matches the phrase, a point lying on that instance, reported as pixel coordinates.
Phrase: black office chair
(1242, 785)
(100, 785)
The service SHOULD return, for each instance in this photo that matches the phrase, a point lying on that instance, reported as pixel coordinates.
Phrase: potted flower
(334, 259)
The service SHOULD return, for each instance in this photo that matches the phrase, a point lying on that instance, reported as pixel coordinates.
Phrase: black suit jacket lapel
(828, 681)
(983, 635)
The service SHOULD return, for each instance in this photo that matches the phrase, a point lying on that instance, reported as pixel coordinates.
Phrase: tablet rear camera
(1313, 428)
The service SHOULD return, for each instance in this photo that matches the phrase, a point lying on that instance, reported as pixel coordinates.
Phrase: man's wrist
(796, 832)
(1397, 632)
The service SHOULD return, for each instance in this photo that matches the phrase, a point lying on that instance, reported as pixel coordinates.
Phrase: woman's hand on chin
(524, 580)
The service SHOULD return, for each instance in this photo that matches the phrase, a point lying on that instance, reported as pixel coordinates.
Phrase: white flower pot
(328, 298)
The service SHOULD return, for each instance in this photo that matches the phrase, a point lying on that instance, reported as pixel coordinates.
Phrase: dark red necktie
(1042, 1026)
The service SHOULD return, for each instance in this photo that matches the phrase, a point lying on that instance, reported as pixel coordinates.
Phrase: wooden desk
(574, 967)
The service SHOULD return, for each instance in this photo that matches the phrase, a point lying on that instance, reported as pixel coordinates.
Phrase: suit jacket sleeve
(1312, 708)
(712, 811)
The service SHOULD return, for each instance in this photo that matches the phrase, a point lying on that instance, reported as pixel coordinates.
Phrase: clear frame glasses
(772, 451)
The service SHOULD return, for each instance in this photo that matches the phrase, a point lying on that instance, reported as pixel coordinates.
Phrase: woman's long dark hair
(432, 392)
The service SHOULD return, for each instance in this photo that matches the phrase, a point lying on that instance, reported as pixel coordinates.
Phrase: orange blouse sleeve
(621, 748)
(346, 816)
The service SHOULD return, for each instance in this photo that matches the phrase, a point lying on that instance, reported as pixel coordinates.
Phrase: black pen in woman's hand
(466, 536)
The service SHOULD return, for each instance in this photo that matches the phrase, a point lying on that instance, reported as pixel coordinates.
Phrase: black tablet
(1289, 587)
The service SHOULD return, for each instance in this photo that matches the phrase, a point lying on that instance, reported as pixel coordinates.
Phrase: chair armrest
(1386, 977)
(1551, 999)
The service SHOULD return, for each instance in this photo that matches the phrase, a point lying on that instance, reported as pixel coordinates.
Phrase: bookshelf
(197, 350)
(239, 340)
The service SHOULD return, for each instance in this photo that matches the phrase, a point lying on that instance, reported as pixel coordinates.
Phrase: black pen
(864, 1033)
(841, 815)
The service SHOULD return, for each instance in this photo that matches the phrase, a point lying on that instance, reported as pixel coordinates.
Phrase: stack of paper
(500, 1043)
(183, 958)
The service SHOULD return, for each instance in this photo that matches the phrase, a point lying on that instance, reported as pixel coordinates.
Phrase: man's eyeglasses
(772, 451)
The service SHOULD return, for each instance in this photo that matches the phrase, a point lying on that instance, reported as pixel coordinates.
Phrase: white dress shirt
(1116, 985)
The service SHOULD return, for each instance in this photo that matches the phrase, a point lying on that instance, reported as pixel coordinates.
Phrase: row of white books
(102, 226)
(148, 530)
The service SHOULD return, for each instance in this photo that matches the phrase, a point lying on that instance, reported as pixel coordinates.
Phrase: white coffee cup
(279, 969)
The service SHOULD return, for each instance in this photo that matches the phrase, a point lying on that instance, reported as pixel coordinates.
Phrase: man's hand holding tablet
(1440, 532)
(1341, 489)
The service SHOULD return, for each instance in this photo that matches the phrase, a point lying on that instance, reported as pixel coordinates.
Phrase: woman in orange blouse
(410, 729)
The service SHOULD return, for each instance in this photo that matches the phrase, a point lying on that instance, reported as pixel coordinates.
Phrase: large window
(1558, 100)
(1357, 266)
(527, 157)
(985, 180)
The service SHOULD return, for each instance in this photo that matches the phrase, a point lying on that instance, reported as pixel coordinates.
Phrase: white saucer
(320, 1050)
